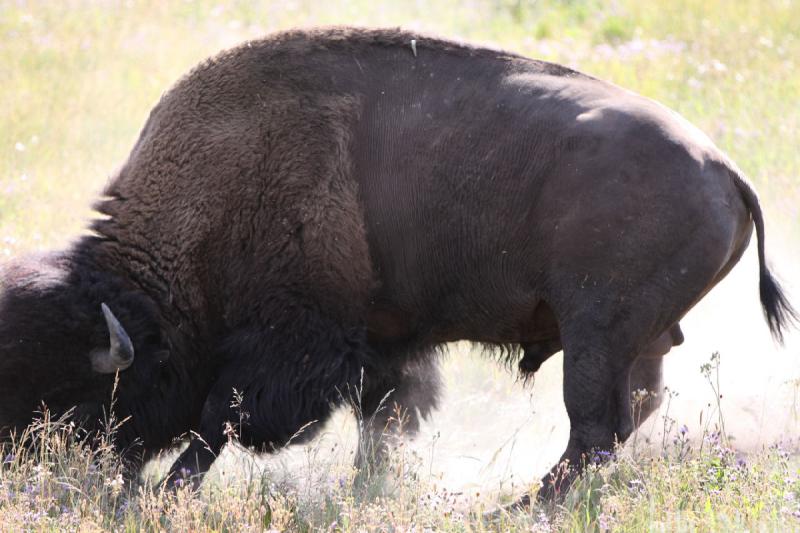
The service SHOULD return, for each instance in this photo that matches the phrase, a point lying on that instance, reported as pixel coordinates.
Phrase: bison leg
(646, 376)
(393, 405)
(275, 389)
(204, 447)
(191, 465)
(596, 395)
(646, 373)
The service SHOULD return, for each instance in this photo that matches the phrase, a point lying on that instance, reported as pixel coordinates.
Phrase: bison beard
(315, 213)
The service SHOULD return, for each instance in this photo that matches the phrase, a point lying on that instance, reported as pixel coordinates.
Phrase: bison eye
(161, 356)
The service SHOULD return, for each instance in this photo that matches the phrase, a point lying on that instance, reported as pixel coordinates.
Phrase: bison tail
(778, 311)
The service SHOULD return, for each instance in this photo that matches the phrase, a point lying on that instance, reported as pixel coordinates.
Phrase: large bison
(314, 213)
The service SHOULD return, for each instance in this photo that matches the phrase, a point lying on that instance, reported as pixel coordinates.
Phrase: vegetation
(54, 478)
(77, 79)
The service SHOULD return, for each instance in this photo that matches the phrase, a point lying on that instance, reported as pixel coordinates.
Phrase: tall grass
(77, 78)
(53, 477)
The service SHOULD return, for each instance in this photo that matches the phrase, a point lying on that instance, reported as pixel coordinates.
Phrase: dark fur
(315, 205)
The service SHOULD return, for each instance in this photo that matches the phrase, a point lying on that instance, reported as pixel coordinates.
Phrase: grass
(53, 478)
(77, 79)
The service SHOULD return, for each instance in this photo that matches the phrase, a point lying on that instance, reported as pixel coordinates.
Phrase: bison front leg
(192, 465)
(392, 405)
(275, 389)
(205, 445)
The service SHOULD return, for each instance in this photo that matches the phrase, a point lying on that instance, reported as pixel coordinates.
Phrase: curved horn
(119, 356)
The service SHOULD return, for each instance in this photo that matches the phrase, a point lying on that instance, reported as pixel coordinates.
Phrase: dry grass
(54, 478)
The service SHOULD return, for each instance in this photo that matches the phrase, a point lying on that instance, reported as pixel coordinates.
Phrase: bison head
(66, 330)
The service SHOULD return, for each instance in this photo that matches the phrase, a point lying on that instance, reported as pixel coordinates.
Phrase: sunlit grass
(54, 478)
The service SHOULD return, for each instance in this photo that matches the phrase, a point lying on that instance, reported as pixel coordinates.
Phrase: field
(77, 79)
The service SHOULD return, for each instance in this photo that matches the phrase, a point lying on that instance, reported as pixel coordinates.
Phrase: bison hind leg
(646, 374)
(598, 380)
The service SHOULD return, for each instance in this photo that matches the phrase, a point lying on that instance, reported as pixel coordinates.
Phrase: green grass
(77, 79)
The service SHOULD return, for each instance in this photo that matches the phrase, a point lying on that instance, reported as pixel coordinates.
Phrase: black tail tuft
(779, 312)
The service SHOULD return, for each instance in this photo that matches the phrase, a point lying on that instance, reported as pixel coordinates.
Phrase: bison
(318, 211)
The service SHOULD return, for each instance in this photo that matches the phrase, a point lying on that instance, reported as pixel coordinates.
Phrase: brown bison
(320, 205)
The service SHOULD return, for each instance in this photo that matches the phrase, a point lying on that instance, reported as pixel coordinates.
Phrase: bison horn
(120, 354)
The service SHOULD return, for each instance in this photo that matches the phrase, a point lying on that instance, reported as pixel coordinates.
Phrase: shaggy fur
(316, 205)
